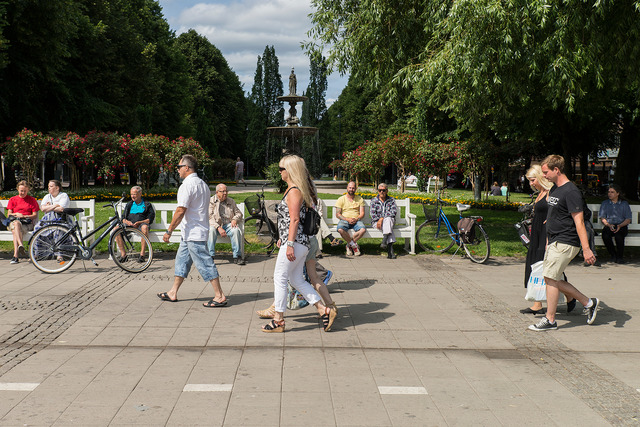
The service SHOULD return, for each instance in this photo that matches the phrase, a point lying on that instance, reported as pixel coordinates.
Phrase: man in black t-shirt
(566, 233)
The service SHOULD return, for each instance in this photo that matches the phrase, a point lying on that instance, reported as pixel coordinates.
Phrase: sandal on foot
(335, 242)
(214, 304)
(334, 307)
(165, 297)
(273, 326)
(267, 313)
(328, 318)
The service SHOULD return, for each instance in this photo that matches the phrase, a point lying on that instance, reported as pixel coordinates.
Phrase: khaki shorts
(25, 227)
(556, 259)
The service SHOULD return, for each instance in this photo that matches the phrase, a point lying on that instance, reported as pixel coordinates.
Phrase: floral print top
(284, 220)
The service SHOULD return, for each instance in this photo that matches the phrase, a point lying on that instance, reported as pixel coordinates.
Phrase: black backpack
(311, 224)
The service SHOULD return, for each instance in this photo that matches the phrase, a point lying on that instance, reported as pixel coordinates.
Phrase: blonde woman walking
(294, 245)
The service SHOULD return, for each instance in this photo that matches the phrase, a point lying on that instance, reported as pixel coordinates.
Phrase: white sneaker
(356, 251)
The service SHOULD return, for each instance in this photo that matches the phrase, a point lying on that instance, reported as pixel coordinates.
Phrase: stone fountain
(292, 132)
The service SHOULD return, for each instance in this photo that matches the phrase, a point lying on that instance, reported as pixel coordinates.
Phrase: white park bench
(405, 226)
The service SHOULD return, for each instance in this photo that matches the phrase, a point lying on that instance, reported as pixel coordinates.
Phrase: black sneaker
(239, 261)
(543, 325)
(123, 258)
(142, 258)
(14, 260)
(592, 311)
(571, 305)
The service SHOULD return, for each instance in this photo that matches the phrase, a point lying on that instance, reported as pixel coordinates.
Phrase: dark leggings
(609, 236)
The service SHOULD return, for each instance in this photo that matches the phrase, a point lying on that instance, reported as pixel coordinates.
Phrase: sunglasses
(382, 190)
(280, 168)
(181, 166)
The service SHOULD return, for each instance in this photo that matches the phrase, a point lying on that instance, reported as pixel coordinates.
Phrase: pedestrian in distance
(239, 172)
(192, 214)
(566, 233)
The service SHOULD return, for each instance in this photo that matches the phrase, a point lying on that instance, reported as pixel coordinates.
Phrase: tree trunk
(628, 162)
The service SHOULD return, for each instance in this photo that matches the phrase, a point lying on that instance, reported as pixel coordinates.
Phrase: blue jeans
(344, 225)
(234, 235)
(190, 252)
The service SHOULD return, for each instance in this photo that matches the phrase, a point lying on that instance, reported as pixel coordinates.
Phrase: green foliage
(147, 153)
(272, 173)
(264, 110)
(218, 101)
(25, 149)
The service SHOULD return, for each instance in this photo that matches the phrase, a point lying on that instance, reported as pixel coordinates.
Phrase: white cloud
(241, 30)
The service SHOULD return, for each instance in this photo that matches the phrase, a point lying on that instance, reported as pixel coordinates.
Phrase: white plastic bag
(536, 286)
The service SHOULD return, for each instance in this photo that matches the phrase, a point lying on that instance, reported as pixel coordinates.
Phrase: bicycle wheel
(256, 231)
(433, 236)
(125, 247)
(480, 249)
(45, 251)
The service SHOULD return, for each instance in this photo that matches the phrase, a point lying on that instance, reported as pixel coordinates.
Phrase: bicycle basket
(430, 211)
(252, 203)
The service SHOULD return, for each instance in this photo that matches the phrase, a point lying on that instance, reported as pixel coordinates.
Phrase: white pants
(387, 230)
(291, 271)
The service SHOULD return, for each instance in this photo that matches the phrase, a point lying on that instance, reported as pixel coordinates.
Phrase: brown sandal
(328, 318)
(268, 313)
(273, 326)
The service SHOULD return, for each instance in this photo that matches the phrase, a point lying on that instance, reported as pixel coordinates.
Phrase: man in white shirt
(192, 214)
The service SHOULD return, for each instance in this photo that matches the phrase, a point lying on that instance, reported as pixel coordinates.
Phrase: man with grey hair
(139, 213)
(192, 215)
(224, 216)
(383, 217)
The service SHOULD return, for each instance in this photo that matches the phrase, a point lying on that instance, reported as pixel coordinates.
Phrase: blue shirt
(615, 213)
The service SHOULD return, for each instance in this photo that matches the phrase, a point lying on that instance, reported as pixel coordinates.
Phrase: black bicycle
(259, 228)
(524, 226)
(56, 246)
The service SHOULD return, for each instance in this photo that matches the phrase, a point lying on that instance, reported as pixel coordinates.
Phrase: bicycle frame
(442, 218)
(112, 223)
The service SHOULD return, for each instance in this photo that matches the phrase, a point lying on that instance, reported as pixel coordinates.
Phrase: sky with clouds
(242, 28)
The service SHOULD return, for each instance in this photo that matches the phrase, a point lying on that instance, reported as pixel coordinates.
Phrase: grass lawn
(498, 224)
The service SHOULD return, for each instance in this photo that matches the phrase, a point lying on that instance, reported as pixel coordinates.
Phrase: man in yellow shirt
(350, 211)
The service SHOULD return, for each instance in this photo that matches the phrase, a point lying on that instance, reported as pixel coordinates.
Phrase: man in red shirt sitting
(25, 209)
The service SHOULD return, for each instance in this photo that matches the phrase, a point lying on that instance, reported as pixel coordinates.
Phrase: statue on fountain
(292, 83)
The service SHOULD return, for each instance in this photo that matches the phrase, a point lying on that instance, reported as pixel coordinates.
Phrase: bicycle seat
(73, 211)
(462, 207)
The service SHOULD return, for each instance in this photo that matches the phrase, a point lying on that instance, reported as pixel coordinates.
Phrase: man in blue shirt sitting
(140, 214)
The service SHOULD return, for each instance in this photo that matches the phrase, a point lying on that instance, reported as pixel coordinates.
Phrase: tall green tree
(264, 110)
(313, 110)
(219, 109)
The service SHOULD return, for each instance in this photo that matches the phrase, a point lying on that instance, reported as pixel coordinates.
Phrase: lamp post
(339, 140)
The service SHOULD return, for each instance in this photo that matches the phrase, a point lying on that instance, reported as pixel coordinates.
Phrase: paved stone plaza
(420, 340)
